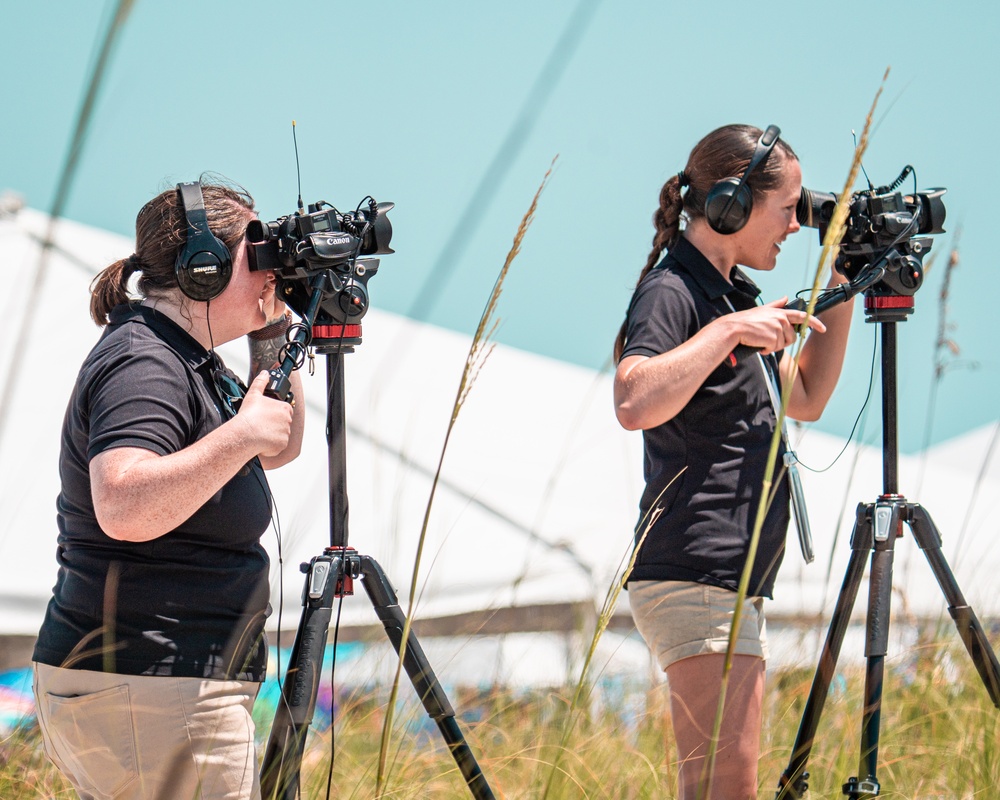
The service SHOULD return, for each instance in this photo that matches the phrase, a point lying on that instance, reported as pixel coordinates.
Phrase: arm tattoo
(264, 354)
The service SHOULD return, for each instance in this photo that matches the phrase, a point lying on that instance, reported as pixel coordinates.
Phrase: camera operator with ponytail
(152, 649)
(707, 410)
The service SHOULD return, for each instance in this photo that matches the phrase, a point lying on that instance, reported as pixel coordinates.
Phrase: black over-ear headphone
(730, 201)
(204, 265)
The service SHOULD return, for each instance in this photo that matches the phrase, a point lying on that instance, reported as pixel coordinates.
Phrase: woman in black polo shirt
(152, 649)
(707, 414)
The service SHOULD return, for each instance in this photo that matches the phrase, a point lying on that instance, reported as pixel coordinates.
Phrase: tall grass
(940, 739)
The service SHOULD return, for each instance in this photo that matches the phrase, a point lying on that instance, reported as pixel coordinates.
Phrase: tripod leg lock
(861, 790)
(883, 520)
(318, 576)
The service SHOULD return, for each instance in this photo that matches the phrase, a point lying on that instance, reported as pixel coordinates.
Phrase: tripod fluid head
(340, 301)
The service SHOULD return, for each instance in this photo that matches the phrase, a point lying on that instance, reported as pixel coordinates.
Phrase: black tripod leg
(888, 517)
(431, 694)
(793, 783)
(279, 772)
(972, 633)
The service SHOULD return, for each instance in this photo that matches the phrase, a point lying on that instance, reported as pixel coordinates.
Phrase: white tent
(534, 514)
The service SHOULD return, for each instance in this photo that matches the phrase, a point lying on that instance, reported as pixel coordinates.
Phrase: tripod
(876, 528)
(331, 575)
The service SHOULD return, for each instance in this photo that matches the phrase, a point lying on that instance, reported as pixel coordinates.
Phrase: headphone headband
(730, 201)
(765, 144)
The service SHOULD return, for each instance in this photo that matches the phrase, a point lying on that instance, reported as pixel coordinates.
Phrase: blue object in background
(17, 704)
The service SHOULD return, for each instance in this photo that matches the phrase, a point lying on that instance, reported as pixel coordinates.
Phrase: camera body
(882, 226)
(320, 250)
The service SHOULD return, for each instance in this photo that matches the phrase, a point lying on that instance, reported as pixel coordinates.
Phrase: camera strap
(790, 459)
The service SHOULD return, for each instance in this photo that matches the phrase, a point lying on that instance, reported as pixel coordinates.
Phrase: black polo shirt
(192, 602)
(716, 447)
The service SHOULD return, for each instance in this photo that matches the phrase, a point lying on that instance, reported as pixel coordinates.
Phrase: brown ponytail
(110, 288)
(723, 153)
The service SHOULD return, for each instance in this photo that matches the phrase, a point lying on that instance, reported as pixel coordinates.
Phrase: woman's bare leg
(695, 684)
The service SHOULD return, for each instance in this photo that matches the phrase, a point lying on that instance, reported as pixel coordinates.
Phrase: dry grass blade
(479, 351)
(831, 245)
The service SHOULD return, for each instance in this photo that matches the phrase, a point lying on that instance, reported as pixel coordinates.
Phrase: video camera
(323, 245)
(882, 231)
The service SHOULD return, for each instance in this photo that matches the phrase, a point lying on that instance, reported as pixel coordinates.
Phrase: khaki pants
(137, 737)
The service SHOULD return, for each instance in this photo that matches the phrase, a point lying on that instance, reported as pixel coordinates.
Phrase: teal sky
(454, 111)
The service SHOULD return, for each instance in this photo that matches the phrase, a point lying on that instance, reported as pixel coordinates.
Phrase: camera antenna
(861, 163)
(298, 172)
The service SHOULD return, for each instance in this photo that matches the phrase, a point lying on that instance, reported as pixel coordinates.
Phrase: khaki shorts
(139, 737)
(679, 619)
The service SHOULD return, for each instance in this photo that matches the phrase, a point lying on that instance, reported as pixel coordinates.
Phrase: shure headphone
(730, 201)
(204, 265)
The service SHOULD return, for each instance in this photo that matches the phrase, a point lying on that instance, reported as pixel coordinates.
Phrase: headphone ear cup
(204, 265)
(203, 275)
(730, 201)
(728, 205)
